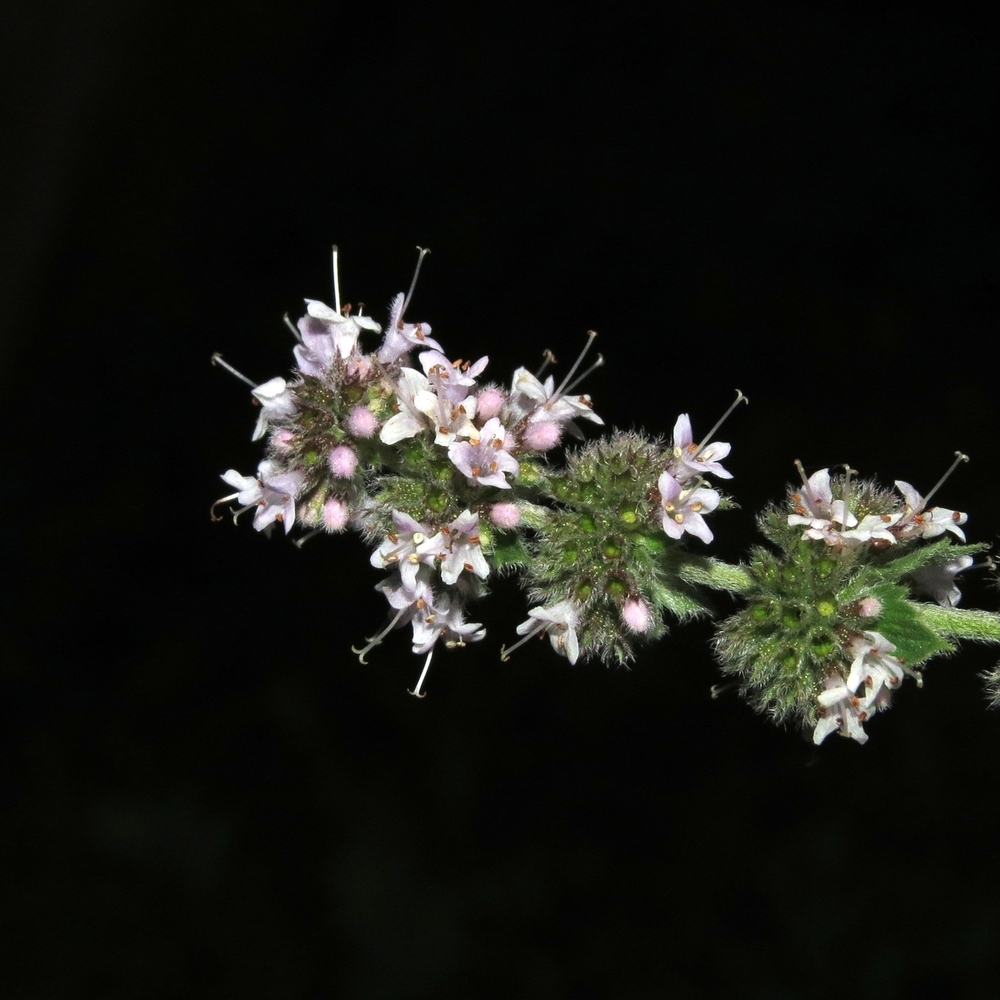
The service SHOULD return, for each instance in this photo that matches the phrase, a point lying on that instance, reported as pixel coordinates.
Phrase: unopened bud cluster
(452, 479)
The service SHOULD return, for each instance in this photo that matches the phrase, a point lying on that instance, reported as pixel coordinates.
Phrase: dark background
(203, 791)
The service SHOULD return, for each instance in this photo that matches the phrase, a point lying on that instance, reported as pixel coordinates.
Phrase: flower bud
(343, 461)
(505, 515)
(489, 404)
(362, 423)
(541, 436)
(335, 514)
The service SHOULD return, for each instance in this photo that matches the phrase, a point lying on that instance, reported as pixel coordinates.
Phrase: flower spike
(453, 482)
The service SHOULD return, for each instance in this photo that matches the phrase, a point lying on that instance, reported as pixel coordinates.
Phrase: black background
(203, 791)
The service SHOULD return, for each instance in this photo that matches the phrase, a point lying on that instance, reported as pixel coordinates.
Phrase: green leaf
(901, 625)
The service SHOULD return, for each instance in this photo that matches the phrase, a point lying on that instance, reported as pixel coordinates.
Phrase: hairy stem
(955, 623)
(715, 574)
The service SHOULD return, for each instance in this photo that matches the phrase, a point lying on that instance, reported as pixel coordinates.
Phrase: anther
(549, 359)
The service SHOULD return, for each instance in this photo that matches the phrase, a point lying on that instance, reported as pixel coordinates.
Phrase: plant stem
(981, 626)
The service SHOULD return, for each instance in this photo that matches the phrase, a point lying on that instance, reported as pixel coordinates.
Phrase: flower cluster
(832, 626)
(453, 481)
(450, 480)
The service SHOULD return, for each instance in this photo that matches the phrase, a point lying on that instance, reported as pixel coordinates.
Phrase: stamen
(740, 398)
(959, 457)
(336, 281)
(505, 652)
(423, 673)
(591, 334)
(550, 359)
(372, 643)
(295, 330)
(217, 360)
(413, 284)
(597, 364)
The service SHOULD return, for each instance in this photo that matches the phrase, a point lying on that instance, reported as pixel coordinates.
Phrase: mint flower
(400, 337)
(415, 458)
(840, 710)
(407, 547)
(939, 580)
(445, 622)
(683, 507)
(871, 528)
(451, 380)
(559, 622)
(449, 420)
(819, 512)
(483, 458)
(874, 665)
(272, 492)
(409, 419)
(463, 551)
(343, 330)
(692, 461)
(276, 403)
(917, 522)
(533, 400)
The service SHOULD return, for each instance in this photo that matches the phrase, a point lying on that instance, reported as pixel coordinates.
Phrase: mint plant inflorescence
(449, 479)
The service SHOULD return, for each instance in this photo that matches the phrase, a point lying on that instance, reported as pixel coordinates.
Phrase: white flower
(535, 400)
(683, 507)
(560, 622)
(464, 552)
(450, 420)
(872, 527)
(874, 666)
(409, 419)
(410, 545)
(451, 380)
(276, 402)
(841, 710)
(272, 493)
(401, 337)
(917, 522)
(691, 461)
